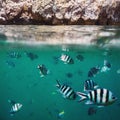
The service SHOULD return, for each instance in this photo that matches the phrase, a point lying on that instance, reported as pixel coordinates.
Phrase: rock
(54, 12)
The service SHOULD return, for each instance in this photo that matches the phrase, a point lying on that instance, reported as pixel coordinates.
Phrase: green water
(22, 83)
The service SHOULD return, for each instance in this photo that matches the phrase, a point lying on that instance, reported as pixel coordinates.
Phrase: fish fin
(98, 67)
(88, 102)
(87, 91)
(96, 86)
(64, 96)
(84, 88)
(11, 102)
(41, 75)
(58, 84)
(104, 69)
(82, 95)
(11, 114)
(48, 71)
(101, 106)
(105, 62)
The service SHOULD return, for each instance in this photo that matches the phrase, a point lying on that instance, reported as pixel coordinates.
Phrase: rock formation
(60, 12)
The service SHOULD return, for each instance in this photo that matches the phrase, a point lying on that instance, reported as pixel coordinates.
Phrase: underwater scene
(59, 82)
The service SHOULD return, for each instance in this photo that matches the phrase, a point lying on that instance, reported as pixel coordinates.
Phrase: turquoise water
(20, 81)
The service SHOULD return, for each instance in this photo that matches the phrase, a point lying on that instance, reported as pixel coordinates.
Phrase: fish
(14, 54)
(80, 57)
(92, 111)
(106, 67)
(69, 75)
(66, 91)
(43, 70)
(10, 63)
(15, 107)
(90, 85)
(118, 71)
(66, 59)
(106, 63)
(100, 97)
(61, 114)
(31, 55)
(93, 71)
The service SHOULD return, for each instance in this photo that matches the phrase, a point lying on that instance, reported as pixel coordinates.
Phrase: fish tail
(82, 95)
(58, 84)
(11, 102)
(12, 113)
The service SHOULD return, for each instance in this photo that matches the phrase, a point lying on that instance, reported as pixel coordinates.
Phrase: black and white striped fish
(66, 91)
(99, 97)
(93, 71)
(90, 85)
(66, 59)
(15, 107)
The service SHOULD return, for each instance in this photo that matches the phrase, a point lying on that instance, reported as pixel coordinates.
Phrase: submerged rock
(60, 12)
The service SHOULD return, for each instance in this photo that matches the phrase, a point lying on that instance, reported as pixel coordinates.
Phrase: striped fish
(99, 97)
(66, 91)
(90, 85)
(93, 71)
(66, 59)
(43, 70)
(15, 107)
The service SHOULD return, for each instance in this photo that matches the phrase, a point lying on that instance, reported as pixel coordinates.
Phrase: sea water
(20, 81)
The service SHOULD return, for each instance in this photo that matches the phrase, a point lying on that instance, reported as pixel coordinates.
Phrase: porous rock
(54, 12)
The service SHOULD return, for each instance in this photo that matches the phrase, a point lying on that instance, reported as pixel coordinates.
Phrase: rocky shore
(60, 12)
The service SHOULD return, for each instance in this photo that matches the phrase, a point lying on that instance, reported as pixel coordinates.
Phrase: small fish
(13, 54)
(31, 55)
(118, 71)
(66, 91)
(15, 107)
(10, 63)
(92, 111)
(43, 70)
(99, 97)
(93, 71)
(90, 85)
(69, 75)
(106, 63)
(80, 57)
(106, 67)
(66, 59)
(61, 114)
